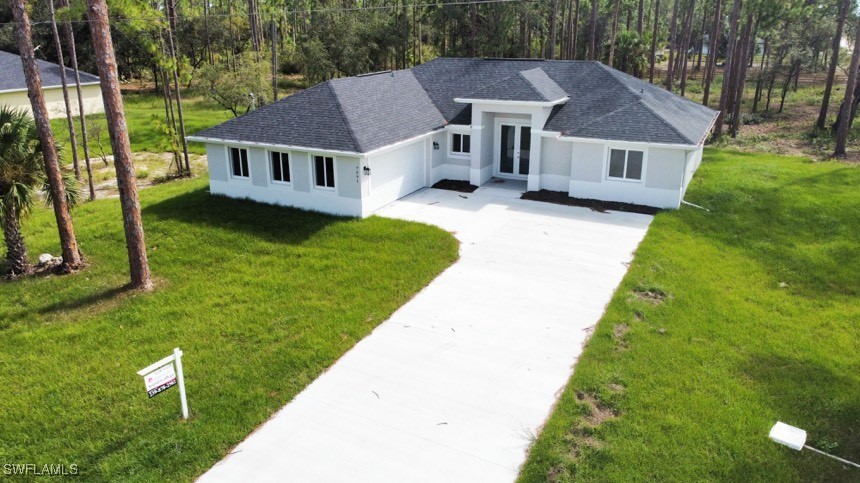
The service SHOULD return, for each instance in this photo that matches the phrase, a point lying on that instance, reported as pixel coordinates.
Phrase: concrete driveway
(455, 384)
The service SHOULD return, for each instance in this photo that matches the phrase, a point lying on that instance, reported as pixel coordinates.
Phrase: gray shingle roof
(360, 114)
(529, 85)
(12, 73)
(355, 114)
(604, 103)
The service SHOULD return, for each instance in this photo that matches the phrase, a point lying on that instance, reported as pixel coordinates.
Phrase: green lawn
(760, 322)
(146, 122)
(261, 299)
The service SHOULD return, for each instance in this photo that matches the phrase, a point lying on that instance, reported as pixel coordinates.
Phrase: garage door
(396, 173)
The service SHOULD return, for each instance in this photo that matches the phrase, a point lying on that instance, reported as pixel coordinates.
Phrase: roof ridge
(532, 86)
(609, 70)
(343, 116)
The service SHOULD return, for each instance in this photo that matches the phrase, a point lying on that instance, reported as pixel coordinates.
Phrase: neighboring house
(13, 87)
(352, 145)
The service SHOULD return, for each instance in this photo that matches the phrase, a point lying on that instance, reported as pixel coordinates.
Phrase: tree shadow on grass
(800, 228)
(270, 222)
(824, 402)
(87, 300)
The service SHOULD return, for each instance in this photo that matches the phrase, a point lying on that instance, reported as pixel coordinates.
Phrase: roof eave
(464, 100)
(252, 144)
(58, 86)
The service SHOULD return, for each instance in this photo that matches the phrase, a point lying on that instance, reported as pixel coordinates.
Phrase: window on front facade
(239, 162)
(461, 143)
(625, 164)
(280, 167)
(324, 171)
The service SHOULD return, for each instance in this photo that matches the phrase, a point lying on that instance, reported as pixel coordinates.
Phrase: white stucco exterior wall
(301, 192)
(91, 94)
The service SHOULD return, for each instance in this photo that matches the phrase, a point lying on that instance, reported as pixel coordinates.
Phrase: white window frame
(313, 170)
(272, 171)
(626, 149)
(461, 153)
(229, 156)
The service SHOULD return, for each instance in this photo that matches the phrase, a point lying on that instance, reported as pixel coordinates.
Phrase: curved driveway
(453, 386)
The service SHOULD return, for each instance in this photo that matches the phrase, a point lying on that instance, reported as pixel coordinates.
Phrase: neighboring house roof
(363, 113)
(12, 74)
(354, 114)
(532, 85)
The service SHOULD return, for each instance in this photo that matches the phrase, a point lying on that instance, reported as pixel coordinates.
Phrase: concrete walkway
(455, 384)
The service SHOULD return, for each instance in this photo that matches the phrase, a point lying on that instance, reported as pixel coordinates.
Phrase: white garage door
(396, 173)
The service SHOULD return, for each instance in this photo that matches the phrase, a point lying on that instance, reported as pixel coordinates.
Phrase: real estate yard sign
(160, 380)
(165, 374)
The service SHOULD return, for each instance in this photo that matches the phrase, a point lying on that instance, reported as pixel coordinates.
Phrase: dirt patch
(638, 316)
(618, 332)
(455, 185)
(615, 387)
(598, 413)
(653, 295)
(562, 198)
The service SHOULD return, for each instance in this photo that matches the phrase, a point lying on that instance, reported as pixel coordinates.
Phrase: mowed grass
(759, 321)
(261, 299)
(145, 117)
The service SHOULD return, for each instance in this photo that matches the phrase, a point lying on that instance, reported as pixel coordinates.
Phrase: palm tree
(22, 177)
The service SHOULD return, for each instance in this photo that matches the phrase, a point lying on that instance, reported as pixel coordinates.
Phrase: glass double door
(515, 140)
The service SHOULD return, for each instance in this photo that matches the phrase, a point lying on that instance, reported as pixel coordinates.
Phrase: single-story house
(352, 145)
(13, 87)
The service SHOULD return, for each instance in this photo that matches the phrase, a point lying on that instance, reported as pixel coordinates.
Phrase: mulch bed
(561, 198)
(455, 185)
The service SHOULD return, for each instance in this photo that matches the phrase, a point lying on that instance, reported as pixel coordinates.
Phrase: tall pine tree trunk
(670, 74)
(640, 18)
(834, 62)
(68, 241)
(553, 30)
(614, 32)
(171, 28)
(846, 109)
(724, 92)
(82, 115)
(274, 29)
(685, 46)
(572, 27)
(654, 40)
(592, 32)
(65, 87)
(97, 14)
(711, 62)
(741, 77)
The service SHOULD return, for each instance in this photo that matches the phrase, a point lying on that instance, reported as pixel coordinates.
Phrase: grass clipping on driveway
(726, 322)
(261, 299)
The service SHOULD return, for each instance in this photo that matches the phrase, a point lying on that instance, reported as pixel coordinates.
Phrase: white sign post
(165, 374)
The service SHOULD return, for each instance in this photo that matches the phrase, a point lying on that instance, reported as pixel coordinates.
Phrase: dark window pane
(319, 163)
(244, 153)
(525, 148)
(616, 163)
(467, 143)
(507, 157)
(634, 165)
(276, 167)
(285, 166)
(329, 172)
(457, 143)
(234, 158)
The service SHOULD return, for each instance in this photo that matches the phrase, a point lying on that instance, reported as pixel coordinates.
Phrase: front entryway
(513, 147)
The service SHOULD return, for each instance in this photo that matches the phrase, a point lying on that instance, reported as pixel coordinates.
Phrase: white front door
(513, 147)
